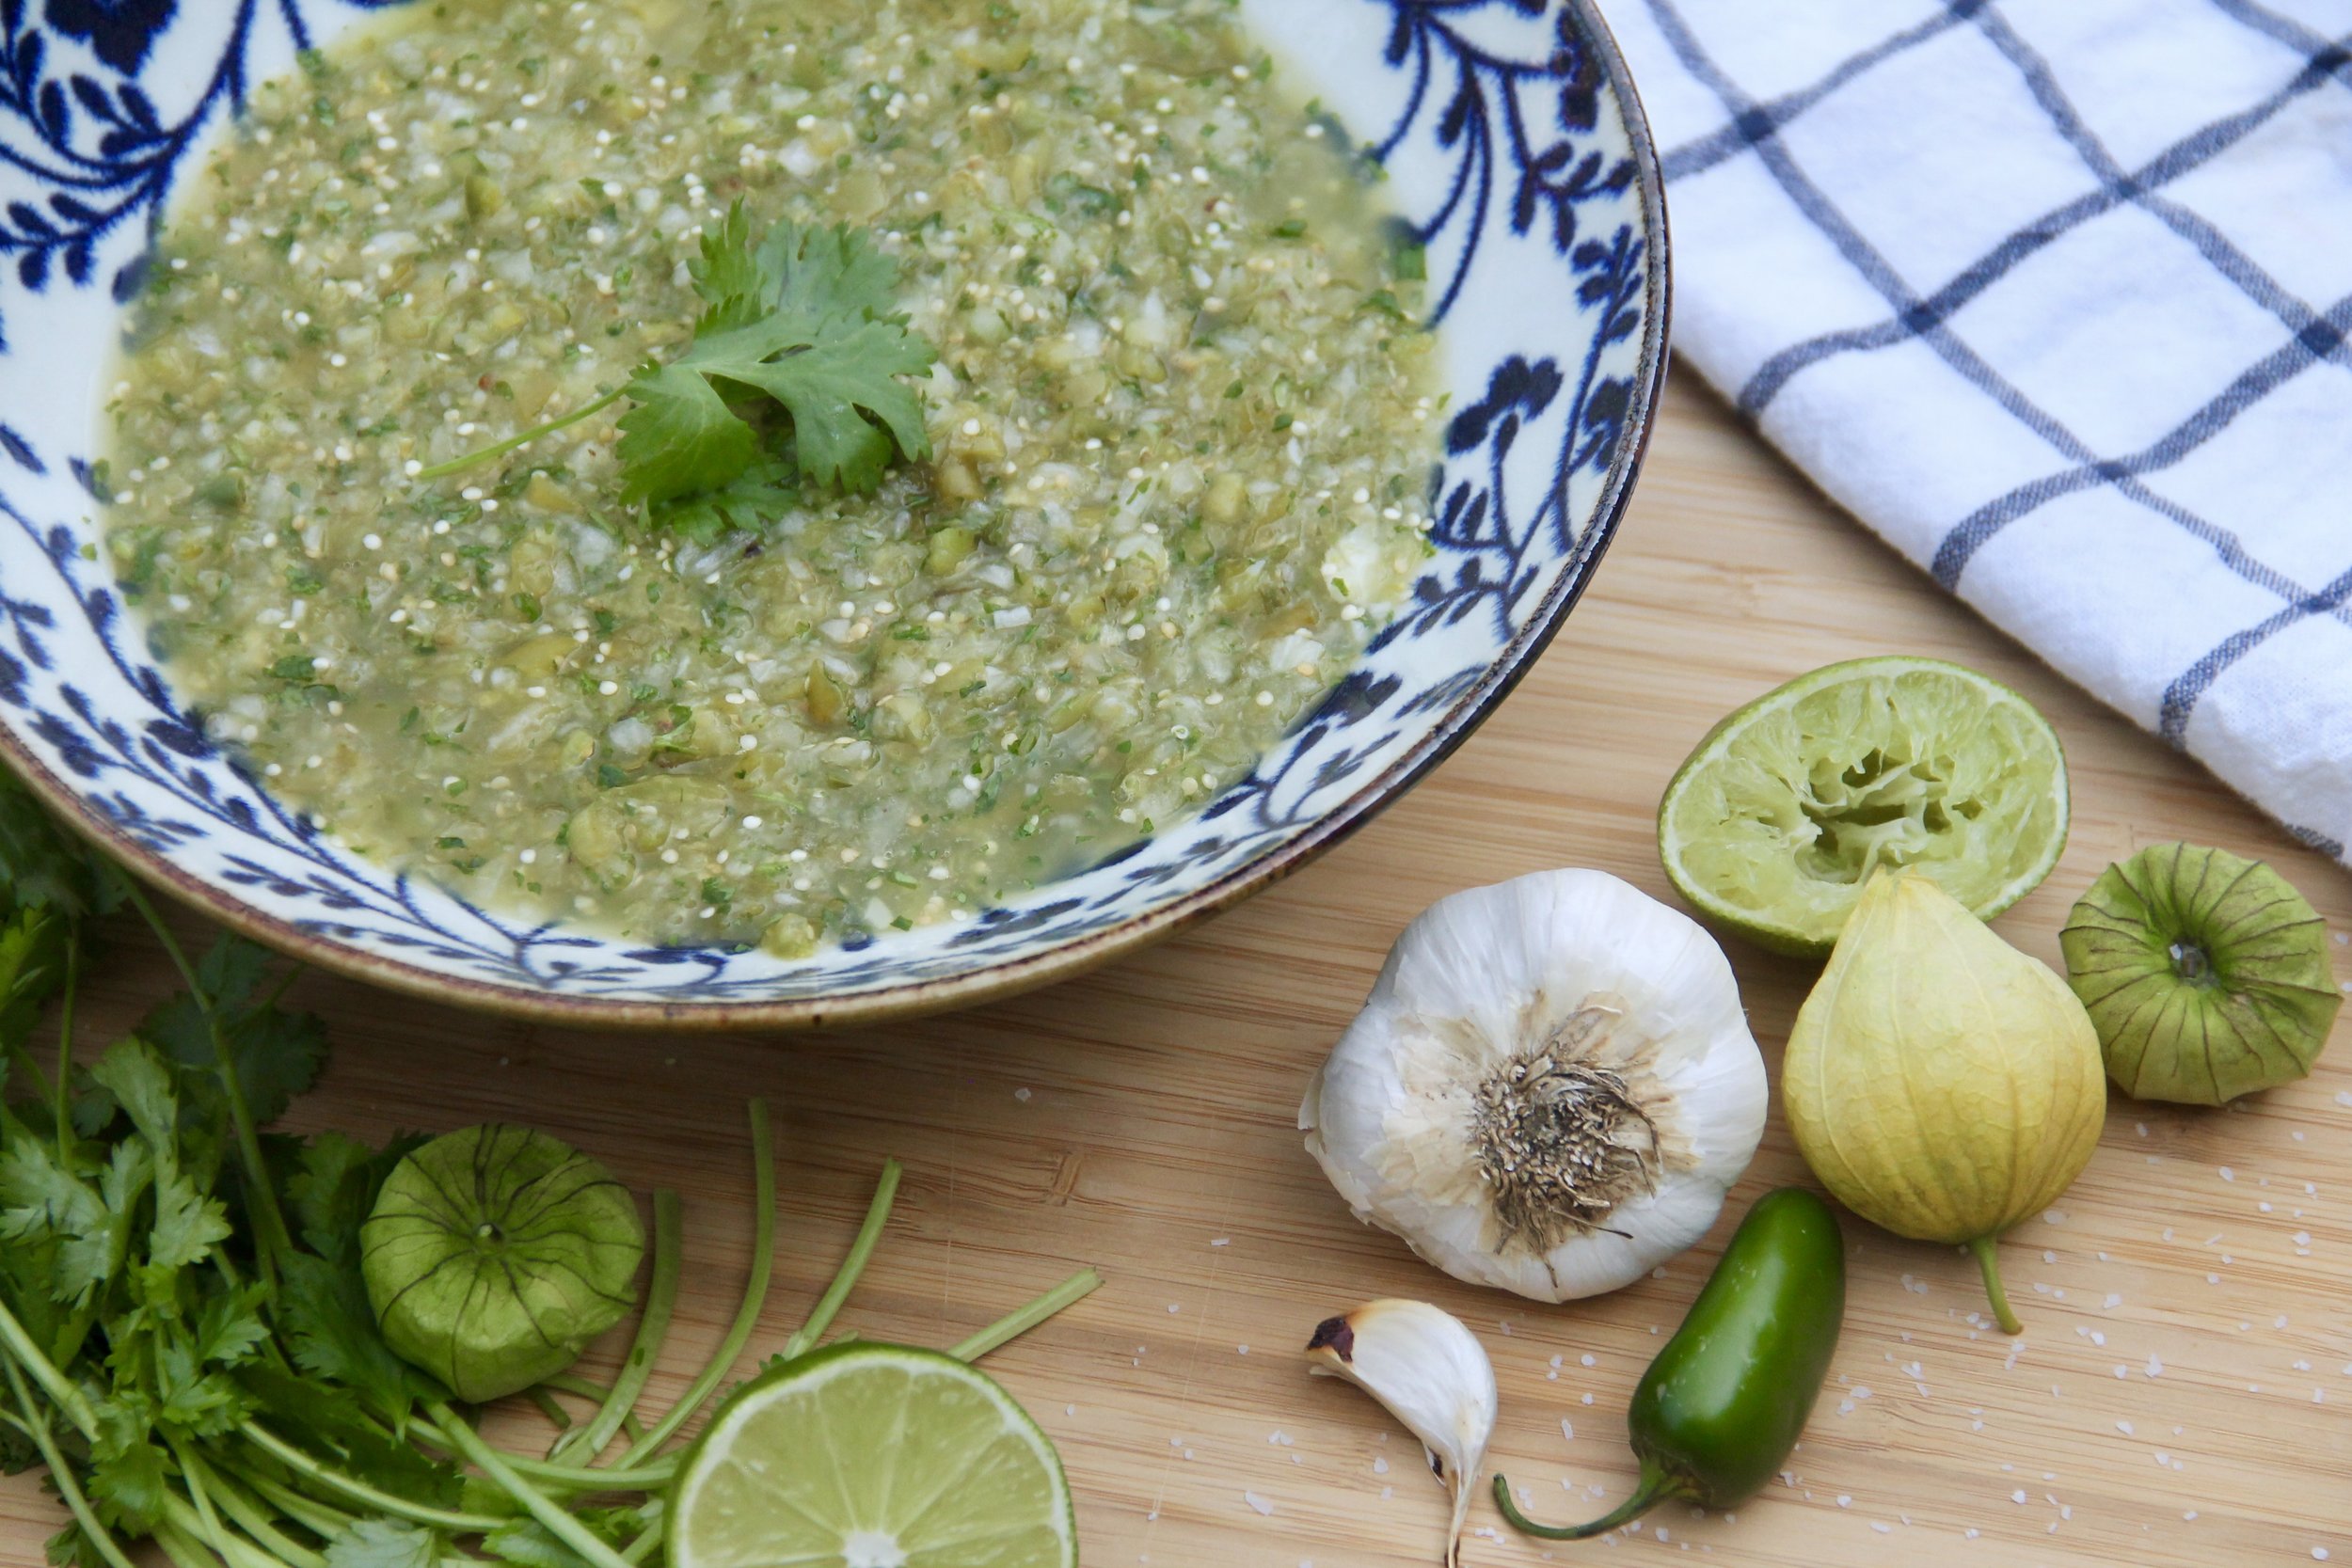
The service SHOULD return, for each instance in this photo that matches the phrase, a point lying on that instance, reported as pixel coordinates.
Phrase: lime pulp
(872, 1456)
(1773, 825)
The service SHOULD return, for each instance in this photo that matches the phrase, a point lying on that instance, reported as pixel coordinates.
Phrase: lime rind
(864, 1455)
(1773, 823)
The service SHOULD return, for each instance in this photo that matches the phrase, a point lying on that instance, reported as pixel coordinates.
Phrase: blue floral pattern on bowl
(1512, 146)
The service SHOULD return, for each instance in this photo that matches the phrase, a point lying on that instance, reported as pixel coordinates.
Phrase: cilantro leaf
(141, 1086)
(326, 1322)
(806, 317)
(729, 275)
(384, 1544)
(328, 1422)
(32, 966)
(681, 437)
(276, 1053)
(40, 1197)
(755, 498)
(529, 1543)
(42, 865)
(334, 1185)
(197, 1403)
(129, 1479)
(188, 1225)
(229, 1327)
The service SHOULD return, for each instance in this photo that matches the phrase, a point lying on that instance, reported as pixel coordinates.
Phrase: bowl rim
(886, 1002)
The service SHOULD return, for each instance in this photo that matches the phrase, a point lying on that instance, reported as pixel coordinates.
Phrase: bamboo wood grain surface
(2182, 1391)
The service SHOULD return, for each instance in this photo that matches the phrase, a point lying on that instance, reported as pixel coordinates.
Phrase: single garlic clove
(1431, 1374)
(1550, 1088)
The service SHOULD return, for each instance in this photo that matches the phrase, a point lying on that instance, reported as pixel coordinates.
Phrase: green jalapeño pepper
(1725, 1401)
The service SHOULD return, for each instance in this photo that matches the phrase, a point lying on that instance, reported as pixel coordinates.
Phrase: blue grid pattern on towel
(2308, 335)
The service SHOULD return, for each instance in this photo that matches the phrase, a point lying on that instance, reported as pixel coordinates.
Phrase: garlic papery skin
(1431, 1374)
(1548, 1091)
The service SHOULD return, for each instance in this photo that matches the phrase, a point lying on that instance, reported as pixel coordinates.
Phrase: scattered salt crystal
(2228, 1175)
(1021, 1095)
(1567, 1431)
(1882, 1527)
(2155, 1367)
(1222, 1241)
(1844, 1500)
(1586, 1360)
(1261, 1504)
(2123, 1427)
(2018, 1496)
(1379, 1467)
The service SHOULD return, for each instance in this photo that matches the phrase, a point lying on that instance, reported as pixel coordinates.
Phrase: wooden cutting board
(2183, 1393)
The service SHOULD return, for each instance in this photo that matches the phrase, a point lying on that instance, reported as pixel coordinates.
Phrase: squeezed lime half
(872, 1456)
(1773, 825)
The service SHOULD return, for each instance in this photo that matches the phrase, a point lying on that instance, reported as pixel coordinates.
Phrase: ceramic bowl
(1513, 142)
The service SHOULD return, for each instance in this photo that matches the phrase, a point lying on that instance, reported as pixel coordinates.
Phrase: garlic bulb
(1431, 1374)
(1548, 1091)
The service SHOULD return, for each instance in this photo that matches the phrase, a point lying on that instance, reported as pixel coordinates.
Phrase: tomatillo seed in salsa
(1178, 435)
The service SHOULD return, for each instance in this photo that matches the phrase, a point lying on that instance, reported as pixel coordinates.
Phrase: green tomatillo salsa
(1172, 477)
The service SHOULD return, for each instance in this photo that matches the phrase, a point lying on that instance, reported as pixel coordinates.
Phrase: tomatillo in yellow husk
(1940, 1083)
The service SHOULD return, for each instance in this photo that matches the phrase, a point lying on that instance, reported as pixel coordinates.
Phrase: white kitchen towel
(2053, 295)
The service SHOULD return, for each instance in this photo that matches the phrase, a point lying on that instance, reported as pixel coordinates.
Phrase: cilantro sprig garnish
(793, 377)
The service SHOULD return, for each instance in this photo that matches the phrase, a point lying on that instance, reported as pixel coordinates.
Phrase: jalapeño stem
(1655, 1488)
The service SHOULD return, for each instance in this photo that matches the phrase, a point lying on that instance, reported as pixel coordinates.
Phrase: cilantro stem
(320, 1519)
(1068, 1293)
(249, 1517)
(183, 1551)
(570, 1478)
(203, 1526)
(199, 1521)
(455, 465)
(269, 1226)
(653, 1327)
(65, 1038)
(62, 1474)
(643, 1547)
(560, 1524)
(556, 1415)
(359, 1491)
(589, 1388)
(844, 1278)
(64, 1394)
(755, 1292)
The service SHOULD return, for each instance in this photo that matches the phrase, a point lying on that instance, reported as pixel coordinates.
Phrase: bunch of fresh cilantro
(187, 1346)
(792, 377)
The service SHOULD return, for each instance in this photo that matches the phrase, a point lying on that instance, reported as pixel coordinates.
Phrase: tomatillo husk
(495, 1253)
(1940, 1083)
(2205, 973)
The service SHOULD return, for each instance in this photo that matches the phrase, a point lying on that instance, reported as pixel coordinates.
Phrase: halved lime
(1774, 824)
(872, 1456)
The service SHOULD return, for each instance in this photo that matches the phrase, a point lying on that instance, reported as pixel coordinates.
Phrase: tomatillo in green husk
(1726, 1400)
